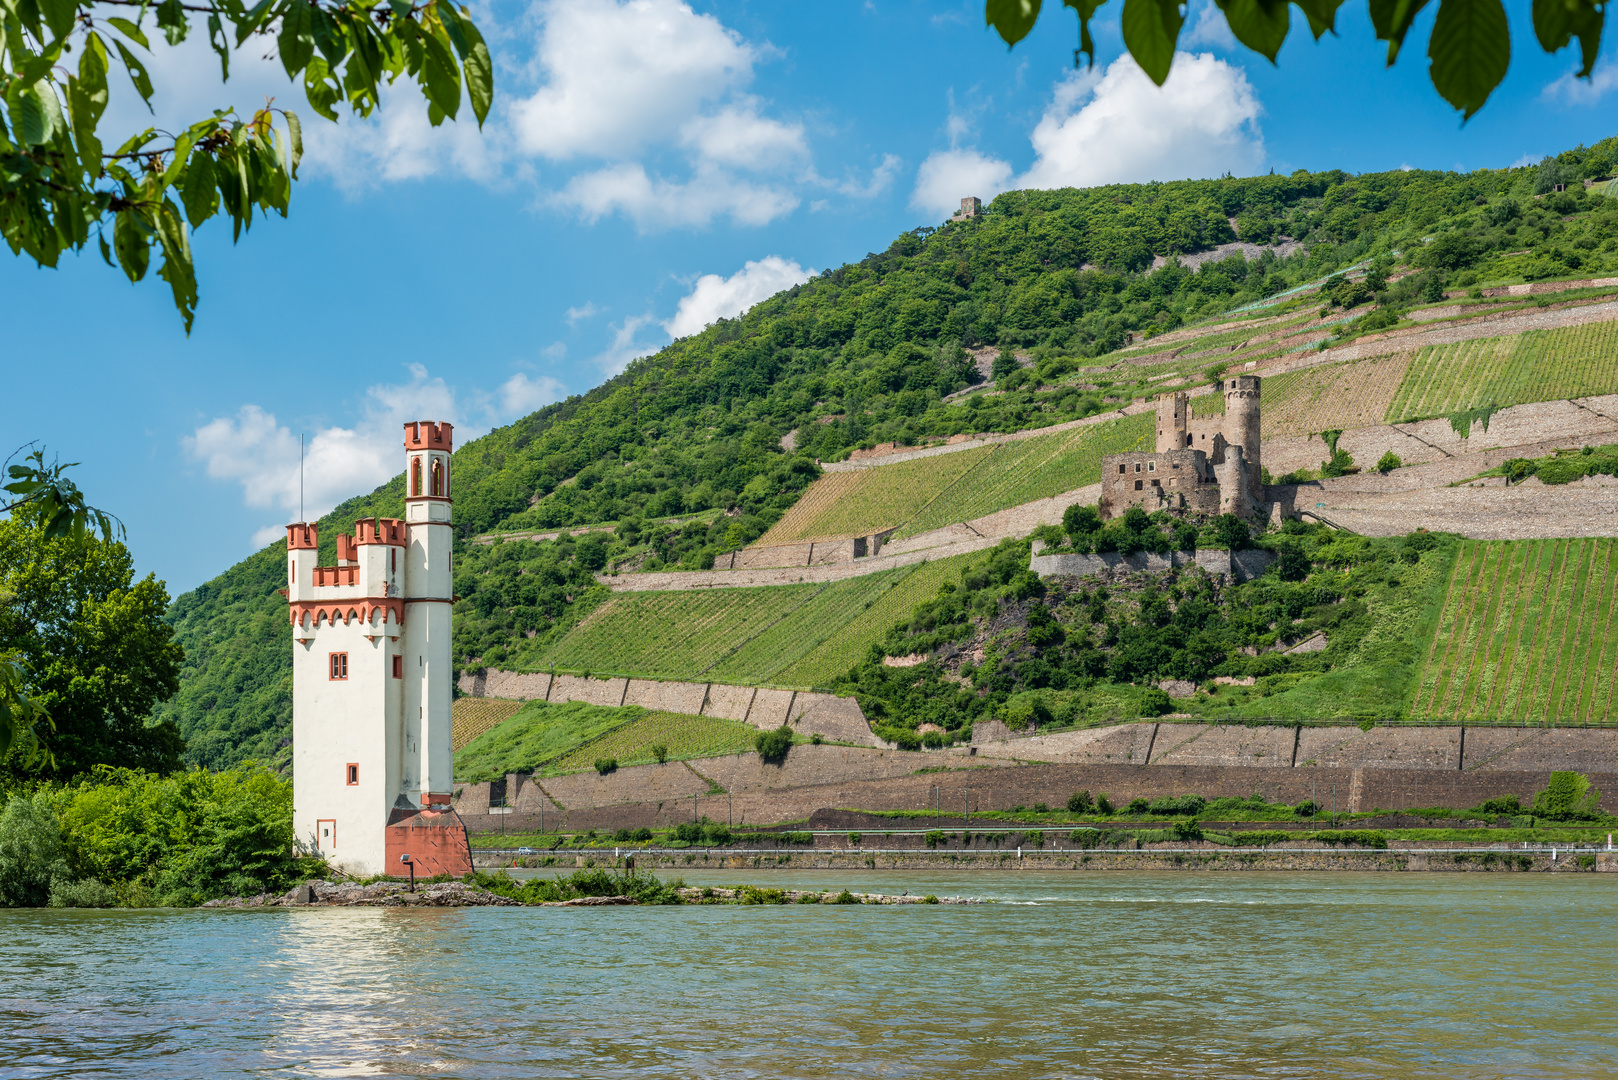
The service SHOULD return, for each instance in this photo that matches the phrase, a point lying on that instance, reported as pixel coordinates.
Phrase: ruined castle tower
(1242, 427)
(1173, 415)
(371, 690)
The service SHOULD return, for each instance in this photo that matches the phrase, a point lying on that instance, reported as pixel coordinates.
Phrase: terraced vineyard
(1354, 394)
(672, 633)
(471, 717)
(785, 635)
(1036, 468)
(797, 633)
(848, 643)
(684, 736)
(868, 500)
(1539, 365)
(1527, 635)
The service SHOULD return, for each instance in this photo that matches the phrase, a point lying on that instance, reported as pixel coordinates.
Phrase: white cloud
(624, 347)
(256, 451)
(521, 395)
(948, 176)
(659, 203)
(586, 311)
(714, 297)
(738, 136)
(621, 75)
(1571, 90)
(1210, 29)
(1120, 128)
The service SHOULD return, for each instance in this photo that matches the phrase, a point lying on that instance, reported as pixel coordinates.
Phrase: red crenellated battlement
(345, 550)
(336, 575)
(303, 536)
(381, 531)
(429, 435)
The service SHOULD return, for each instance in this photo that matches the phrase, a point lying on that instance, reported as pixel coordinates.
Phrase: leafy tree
(773, 746)
(30, 851)
(92, 641)
(64, 181)
(1568, 797)
(1470, 46)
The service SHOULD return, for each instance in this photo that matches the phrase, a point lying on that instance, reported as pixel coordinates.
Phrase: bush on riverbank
(643, 888)
(126, 838)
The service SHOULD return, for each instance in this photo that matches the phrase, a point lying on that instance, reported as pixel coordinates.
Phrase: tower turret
(1242, 424)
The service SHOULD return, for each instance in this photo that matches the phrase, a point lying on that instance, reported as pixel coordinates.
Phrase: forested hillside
(687, 452)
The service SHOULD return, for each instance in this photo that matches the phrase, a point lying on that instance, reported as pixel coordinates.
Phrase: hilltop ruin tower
(1201, 466)
(371, 681)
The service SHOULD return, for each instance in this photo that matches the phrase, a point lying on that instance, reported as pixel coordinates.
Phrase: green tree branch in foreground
(59, 186)
(1470, 46)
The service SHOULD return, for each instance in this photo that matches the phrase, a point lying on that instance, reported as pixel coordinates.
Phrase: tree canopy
(1469, 48)
(64, 182)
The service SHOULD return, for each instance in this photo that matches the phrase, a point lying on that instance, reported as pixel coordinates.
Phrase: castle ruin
(1200, 466)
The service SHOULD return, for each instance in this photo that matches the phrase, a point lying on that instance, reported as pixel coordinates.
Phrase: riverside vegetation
(683, 456)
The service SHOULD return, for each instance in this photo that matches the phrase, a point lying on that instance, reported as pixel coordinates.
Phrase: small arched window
(438, 479)
(415, 476)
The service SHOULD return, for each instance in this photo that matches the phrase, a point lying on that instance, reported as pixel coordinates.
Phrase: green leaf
(1012, 19)
(1261, 25)
(440, 77)
(249, 22)
(1392, 20)
(29, 120)
(1556, 22)
(106, 252)
(130, 31)
(295, 43)
(177, 268)
(1151, 29)
(198, 191)
(479, 72)
(1322, 15)
(137, 74)
(60, 16)
(130, 240)
(319, 89)
(53, 107)
(172, 21)
(220, 44)
(1087, 46)
(1470, 51)
(84, 110)
(294, 143)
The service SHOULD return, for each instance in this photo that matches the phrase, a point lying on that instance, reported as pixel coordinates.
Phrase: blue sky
(649, 166)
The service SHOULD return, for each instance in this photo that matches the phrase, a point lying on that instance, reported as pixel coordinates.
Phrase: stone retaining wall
(808, 712)
(667, 580)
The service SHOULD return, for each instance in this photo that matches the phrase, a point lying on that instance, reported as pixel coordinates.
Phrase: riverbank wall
(1468, 861)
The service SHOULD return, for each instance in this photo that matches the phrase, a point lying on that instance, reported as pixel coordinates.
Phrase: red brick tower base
(434, 838)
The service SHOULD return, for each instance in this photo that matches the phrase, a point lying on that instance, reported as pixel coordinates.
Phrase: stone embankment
(1344, 768)
(806, 711)
(377, 894)
(1490, 860)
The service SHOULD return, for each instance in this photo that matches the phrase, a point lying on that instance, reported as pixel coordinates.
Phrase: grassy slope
(787, 635)
(550, 739)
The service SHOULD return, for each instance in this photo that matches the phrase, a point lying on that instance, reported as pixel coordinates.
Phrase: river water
(1062, 975)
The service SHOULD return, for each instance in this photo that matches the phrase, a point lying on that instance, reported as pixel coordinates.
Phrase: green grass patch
(537, 737)
(680, 734)
(1539, 365)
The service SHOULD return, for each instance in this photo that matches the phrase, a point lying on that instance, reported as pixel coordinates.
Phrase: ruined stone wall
(1242, 565)
(1153, 481)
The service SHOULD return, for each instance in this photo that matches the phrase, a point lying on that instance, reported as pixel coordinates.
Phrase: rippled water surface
(1075, 975)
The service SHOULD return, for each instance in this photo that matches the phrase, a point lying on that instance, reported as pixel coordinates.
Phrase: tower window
(415, 476)
(339, 665)
(353, 771)
(398, 667)
(1137, 485)
(1122, 469)
(1151, 466)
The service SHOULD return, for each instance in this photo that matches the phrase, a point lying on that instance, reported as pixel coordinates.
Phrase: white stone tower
(371, 690)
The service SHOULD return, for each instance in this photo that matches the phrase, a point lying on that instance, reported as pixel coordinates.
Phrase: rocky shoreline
(460, 894)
